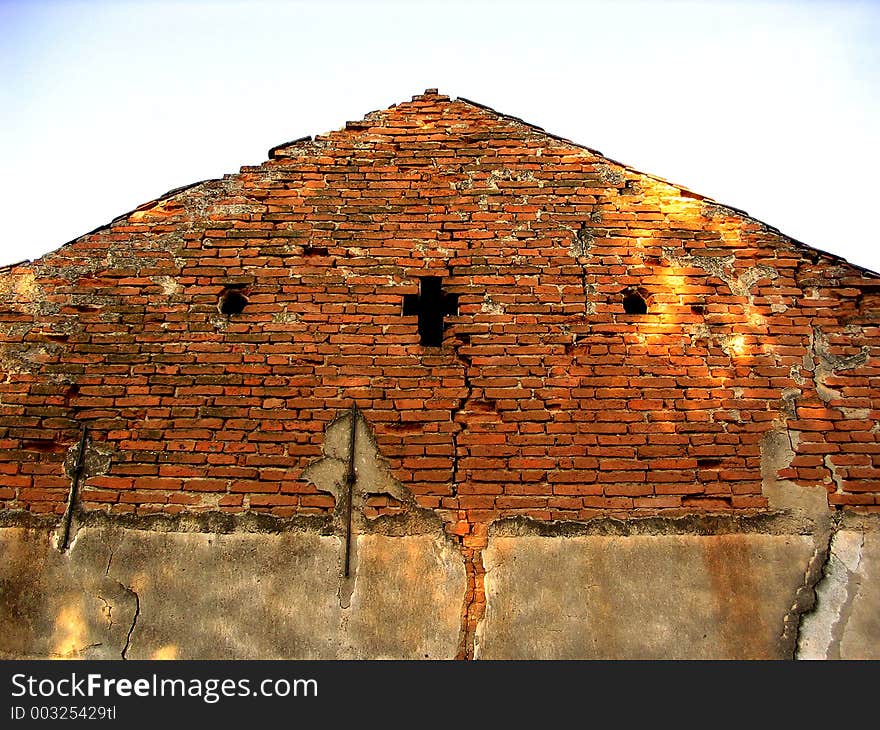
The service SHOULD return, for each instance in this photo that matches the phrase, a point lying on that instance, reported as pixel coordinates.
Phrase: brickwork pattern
(546, 398)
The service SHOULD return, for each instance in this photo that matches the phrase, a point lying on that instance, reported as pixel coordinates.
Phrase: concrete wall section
(57, 605)
(146, 594)
(670, 594)
(640, 596)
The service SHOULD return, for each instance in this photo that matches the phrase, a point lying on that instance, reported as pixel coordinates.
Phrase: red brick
(546, 399)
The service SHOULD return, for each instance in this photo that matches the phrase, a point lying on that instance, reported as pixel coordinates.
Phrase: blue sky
(772, 107)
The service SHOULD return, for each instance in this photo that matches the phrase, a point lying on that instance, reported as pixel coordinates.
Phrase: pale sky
(771, 107)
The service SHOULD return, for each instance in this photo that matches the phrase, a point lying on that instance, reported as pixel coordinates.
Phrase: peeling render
(844, 617)
(824, 363)
(805, 596)
(778, 449)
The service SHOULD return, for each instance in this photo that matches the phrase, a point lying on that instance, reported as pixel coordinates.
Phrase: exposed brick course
(546, 398)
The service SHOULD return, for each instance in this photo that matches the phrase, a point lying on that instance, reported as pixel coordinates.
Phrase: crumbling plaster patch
(822, 630)
(845, 620)
(722, 267)
(778, 448)
(823, 363)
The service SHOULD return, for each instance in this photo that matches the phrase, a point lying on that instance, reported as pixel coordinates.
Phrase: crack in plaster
(470, 614)
(822, 628)
(805, 599)
(134, 619)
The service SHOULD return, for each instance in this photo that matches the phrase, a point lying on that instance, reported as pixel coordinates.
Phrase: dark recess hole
(431, 305)
(634, 302)
(315, 251)
(232, 301)
(405, 427)
(44, 446)
(70, 394)
(482, 406)
(709, 462)
(698, 308)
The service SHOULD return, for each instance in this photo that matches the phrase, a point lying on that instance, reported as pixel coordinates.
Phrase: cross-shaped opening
(431, 305)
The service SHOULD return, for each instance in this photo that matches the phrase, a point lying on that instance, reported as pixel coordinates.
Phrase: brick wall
(546, 398)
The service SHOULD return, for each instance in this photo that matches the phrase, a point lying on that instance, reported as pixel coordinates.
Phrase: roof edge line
(298, 140)
(681, 188)
(143, 206)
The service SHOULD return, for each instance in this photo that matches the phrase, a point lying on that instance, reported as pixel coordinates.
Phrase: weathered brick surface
(546, 398)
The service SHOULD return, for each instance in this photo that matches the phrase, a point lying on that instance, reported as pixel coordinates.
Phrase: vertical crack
(823, 628)
(137, 613)
(580, 251)
(454, 415)
(109, 560)
(806, 599)
(76, 469)
(474, 604)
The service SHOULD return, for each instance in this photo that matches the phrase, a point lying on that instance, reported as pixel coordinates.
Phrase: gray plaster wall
(663, 590)
(146, 594)
(640, 596)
